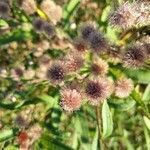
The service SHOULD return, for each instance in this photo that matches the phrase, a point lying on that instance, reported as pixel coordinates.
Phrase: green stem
(98, 118)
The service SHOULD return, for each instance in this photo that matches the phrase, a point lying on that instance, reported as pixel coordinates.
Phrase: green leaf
(69, 8)
(46, 98)
(141, 76)
(146, 95)
(11, 147)
(75, 140)
(147, 122)
(105, 13)
(106, 120)
(122, 104)
(3, 23)
(147, 137)
(6, 134)
(17, 35)
(49, 143)
(95, 140)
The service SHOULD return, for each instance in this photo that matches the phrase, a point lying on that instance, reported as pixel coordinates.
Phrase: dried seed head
(56, 73)
(99, 67)
(86, 31)
(38, 24)
(53, 11)
(134, 57)
(4, 9)
(123, 87)
(143, 10)
(97, 90)
(73, 62)
(97, 42)
(29, 6)
(48, 29)
(144, 43)
(70, 99)
(20, 121)
(124, 17)
(80, 45)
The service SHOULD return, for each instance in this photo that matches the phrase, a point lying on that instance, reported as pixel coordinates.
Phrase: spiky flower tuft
(123, 87)
(4, 9)
(73, 62)
(38, 24)
(29, 6)
(98, 90)
(124, 17)
(80, 45)
(98, 43)
(143, 10)
(48, 29)
(134, 57)
(41, 25)
(86, 31)
(99, 67)
(132, 14)
(70, 99)
(56, 72)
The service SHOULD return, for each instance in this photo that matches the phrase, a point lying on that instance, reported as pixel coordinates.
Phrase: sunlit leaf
(6, 134)
(106, 120)
(146, 95)
(147, 122)
(122, 104)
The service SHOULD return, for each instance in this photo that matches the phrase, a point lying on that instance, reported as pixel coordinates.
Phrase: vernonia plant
(74, 75)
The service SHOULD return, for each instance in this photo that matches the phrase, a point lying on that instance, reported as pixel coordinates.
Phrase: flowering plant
(74, 74)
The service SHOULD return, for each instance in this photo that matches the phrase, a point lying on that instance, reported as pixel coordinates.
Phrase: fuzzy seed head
(134, 57)
(4, 9)
(123, 87)
(143, 10)
(29, 6)
(79, 45)
(97, 90)
(56, 73)
(70, 99)
(52, 10)
(20, 121)
(38, 24)
(124, 17)
(99, 67)
(73, 62)
(97, 42)
(48, 29)
(86, 31)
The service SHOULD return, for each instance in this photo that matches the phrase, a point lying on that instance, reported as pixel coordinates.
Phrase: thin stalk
(98, 118)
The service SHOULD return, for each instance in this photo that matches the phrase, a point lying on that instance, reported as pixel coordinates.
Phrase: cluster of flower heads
(96, 86)
(130, 15)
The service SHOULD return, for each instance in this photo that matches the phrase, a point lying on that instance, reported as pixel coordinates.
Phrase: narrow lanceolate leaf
(69, 9)
(122, 104)
(95, 141)
(17, 35)
(147, 138)
(141, 76)
(146, 95)
(147, 122)
(106, 120)
(6, 134)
